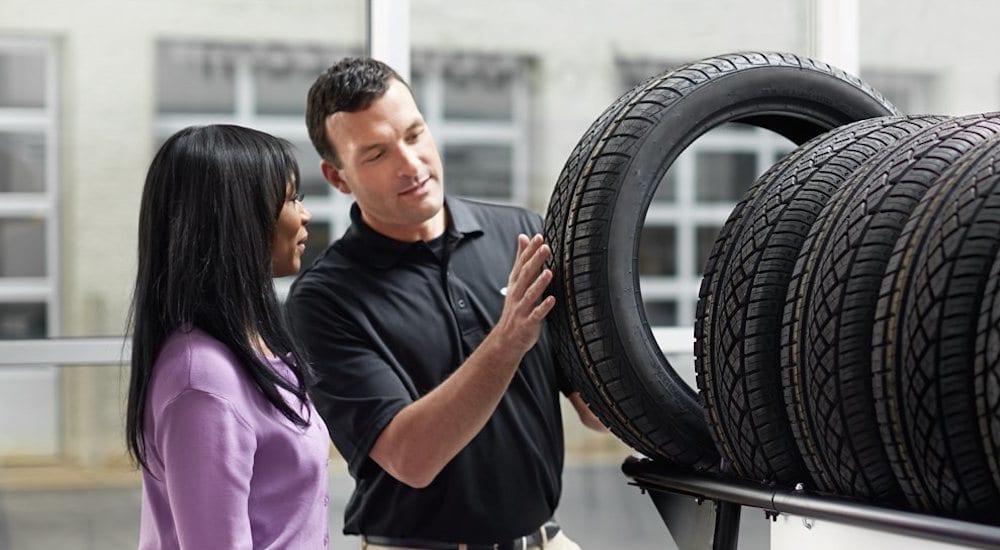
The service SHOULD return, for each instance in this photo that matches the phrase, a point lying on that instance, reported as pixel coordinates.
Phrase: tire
(743, 294)
(555, 221)
(830, 311)
(930, 308)
(599, 204)
(987, 371)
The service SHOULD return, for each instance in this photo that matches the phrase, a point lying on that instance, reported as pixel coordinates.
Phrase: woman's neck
(257, 343)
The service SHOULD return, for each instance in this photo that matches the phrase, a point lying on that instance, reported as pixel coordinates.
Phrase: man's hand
(524, 309)
(586, 415)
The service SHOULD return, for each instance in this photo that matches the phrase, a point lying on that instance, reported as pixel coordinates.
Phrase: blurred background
(89, 89)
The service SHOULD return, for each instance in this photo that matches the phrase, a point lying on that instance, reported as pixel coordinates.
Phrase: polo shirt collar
(461, 221)
(368, 246)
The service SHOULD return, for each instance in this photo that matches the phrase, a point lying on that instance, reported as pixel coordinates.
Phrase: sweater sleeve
(208, 455)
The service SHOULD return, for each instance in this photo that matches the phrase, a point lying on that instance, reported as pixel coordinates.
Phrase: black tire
(598, 209)
(987, 371)
(929, 311)
(555, 222)
(831, 308)
(738, 328)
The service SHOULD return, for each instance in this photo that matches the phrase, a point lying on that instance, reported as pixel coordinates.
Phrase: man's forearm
(423, 437)
(426, 435)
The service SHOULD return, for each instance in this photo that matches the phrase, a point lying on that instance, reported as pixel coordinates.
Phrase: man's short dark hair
(352, 84)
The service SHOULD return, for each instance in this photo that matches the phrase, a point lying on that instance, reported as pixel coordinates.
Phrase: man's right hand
(524, 308)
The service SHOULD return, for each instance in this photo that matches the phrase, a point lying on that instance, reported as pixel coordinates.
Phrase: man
(435, 373)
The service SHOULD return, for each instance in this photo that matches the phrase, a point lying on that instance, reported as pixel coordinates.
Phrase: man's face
(391, 164)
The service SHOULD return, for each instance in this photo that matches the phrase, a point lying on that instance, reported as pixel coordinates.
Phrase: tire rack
(717, 527)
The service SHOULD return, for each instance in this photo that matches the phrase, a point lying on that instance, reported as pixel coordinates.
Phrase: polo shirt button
(461, 304)
(326, 540)
(326, 500)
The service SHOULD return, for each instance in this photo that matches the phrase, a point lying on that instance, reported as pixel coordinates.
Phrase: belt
(548, 531)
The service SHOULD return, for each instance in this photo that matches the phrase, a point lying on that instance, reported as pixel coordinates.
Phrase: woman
(233, 454)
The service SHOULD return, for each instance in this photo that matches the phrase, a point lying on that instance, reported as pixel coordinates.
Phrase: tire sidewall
(788, 100)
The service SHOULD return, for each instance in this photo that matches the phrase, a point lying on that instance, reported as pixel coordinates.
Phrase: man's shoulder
(328, 269)
(489, 213)
(494, 208)
(333, 283)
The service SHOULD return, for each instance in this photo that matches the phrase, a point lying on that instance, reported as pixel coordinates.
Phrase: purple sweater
(226, 469)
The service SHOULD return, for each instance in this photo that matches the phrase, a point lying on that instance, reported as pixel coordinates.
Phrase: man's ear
(332, 175)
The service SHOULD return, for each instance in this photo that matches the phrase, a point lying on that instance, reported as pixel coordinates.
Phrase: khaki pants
(558, 542)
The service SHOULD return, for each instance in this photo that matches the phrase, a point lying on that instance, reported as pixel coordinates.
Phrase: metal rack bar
(653, 476)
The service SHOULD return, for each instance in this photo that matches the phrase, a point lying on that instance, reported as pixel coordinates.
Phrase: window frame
(37, 205)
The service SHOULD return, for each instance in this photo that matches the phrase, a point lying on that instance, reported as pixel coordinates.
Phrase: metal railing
(663, 479)
(118, 349)
(65, 351)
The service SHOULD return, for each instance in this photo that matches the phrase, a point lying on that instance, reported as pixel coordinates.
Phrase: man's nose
(409, 165)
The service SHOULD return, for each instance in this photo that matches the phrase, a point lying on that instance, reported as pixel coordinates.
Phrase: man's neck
(429, 230)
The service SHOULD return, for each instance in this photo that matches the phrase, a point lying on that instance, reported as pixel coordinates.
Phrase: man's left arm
(587, 416)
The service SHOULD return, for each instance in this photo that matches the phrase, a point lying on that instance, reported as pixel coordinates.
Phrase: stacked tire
(847, 334)
(876, 375)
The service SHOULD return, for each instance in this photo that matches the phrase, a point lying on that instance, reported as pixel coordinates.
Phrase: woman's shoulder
(191, 359)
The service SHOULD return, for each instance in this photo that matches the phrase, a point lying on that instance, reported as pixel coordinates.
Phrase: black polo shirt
(384, 322)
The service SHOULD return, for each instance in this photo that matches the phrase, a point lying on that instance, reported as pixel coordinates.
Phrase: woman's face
(290, 235)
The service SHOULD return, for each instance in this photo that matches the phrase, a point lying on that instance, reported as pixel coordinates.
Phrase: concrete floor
(599, 510)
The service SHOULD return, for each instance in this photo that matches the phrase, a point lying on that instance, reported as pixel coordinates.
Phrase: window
(692, 202)
(479, 170)
(477, 107)
(29, 301)
(28, 188)
(909, 92)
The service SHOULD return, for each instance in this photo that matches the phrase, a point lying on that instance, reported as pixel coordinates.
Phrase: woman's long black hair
(206, 228)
